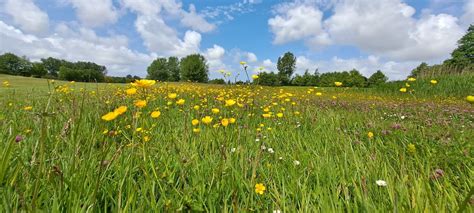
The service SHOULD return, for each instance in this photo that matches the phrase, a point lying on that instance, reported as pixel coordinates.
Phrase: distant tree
(173, 68)
(158, 70)
(14, 65)
(268, 79)
(52, 65)
(423, 67)
(356, 79)
(286, 66)
(377, 78)
(217, 81)
(194, 68)
(38, 70)
(463, 55)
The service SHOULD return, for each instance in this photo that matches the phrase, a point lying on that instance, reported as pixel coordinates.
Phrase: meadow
(155, 146)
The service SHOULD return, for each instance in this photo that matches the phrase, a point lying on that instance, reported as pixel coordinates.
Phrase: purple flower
(18, 138)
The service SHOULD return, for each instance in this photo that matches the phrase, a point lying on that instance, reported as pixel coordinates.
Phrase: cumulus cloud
(94, 13)
(468, 16)
(251, 57)
(27, 15)
(386, 27)
(82, 45)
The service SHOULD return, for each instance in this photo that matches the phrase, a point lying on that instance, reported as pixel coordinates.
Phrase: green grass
(72, 160)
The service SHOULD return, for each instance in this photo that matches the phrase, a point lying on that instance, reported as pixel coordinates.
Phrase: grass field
(196, 147)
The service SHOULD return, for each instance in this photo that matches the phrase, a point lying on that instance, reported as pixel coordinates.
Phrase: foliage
(286, 66)
(38, 70)
(463, 55)
(194, 68)
(173, 67)
(84, 75)
(377, 78)
(126, 79)
(217, 81)
(158, 70)
(268, 79)
(14, 65)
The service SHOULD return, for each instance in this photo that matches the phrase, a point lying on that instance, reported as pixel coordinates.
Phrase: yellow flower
(196, 130)
(370, 135)
(172, 95)
(144, 83)
(109, 116)
(131, 91)
(338, 84)
(207, 120)
(215, 110)
(470, 99)
(120, 110)
(28, 108)
(433, 82)
(259, 188)
(407, 85)
(255, 77)
(411, 79)
(319, 94)
(146, 138)
(231, 120)
(196, 107)
(155, 114)
(403, 89)
(266, 115)
(225, 122)
(230, 102)
(243, 63)
(280, 115)
(140, 103)
(139, 129)
(411, 148)
(180, 102)
(195, 122)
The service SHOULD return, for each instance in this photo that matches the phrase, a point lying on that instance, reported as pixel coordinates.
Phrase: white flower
(270, 150)
(257, 140)
(381, 183)
(232, 150)
(277, 211)
(280, 158)
(297, 163)
(263, 147)
(402, 117)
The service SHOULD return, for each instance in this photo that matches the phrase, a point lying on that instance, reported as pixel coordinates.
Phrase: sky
(329, 35)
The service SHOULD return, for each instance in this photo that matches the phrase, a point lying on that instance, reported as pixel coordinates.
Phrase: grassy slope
(65, 162)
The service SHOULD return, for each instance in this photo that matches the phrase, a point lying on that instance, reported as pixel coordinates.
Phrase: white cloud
(196, 21)
(74, 46)
(215, 56)
(251, 57)
(27, 15)
(94, 13)
(385, 27)
(468, 16)
(296, 22)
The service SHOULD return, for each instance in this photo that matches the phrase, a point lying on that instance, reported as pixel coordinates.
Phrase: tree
(194, 68)
(14, 65)
(268, 79)
(38, 70)
(356, 79)
(52, 65)
(173, 67)
(377, 78)
(419, 69)
(158, 70)
(286, 66)
(463, 55)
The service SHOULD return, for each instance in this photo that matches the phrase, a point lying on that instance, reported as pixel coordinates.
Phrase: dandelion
(140, 103)
(381, 183)
(433, 82)
(144, 83)
(109, 116)
(230, 102)
(403, 89)
(196, 130)
(131, 91)
(280, 115)
(259, 188)
(225, 122)
(338, 84)
(470, 99)
(120, 110)
(215, 110)
(195, 122)
(180, 102)
(155, 114)
(231, 120)
(370, 135)
(172, 95)
(206, 120)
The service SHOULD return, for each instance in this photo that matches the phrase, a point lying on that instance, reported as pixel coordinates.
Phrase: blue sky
(331, 35)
